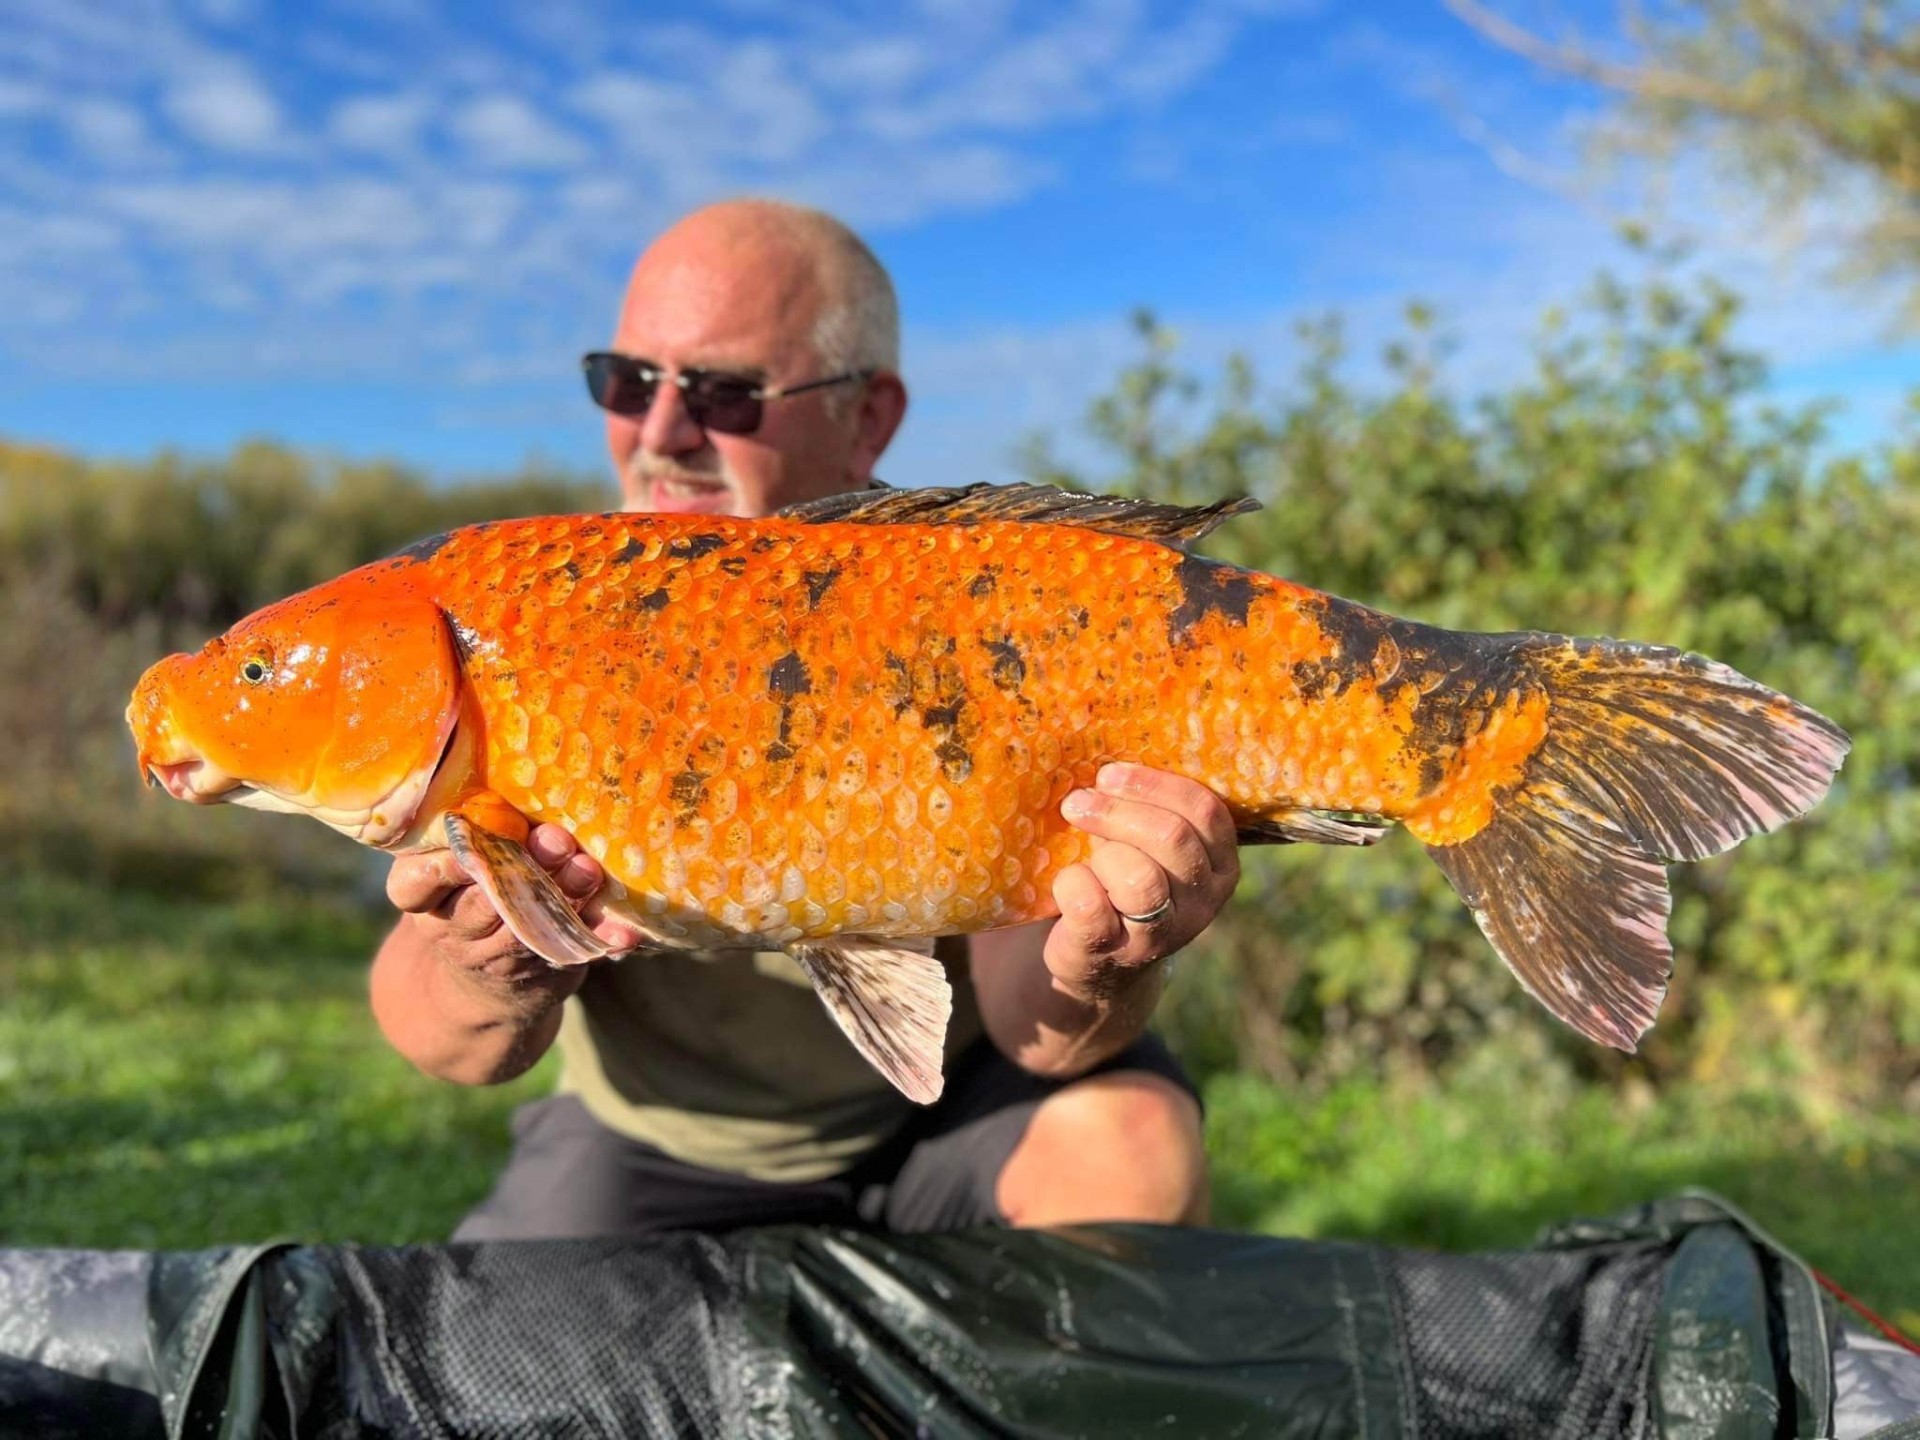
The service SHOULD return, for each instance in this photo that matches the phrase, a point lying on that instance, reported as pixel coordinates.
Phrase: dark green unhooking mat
(1674, 1320)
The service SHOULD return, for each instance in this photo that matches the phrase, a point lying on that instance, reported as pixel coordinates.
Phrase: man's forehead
(726, 306)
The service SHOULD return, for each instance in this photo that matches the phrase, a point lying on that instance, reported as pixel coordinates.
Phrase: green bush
(1634, 484)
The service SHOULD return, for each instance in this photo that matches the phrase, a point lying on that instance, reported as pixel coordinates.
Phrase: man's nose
(667, 428)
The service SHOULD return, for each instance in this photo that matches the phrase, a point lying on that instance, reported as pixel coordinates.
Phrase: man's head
(784, 295)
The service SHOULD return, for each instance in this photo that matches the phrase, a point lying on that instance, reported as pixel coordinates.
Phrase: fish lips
(197, 781)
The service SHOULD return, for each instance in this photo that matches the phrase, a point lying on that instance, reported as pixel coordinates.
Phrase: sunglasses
(728, 404)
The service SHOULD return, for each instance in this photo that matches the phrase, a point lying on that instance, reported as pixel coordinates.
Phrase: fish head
(337, 703)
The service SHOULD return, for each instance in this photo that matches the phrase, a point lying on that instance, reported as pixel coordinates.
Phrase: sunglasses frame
(699, 408)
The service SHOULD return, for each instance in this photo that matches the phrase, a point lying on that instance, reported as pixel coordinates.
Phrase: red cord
(1885, 1327)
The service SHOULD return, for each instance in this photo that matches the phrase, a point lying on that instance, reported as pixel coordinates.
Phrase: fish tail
(1650, 755)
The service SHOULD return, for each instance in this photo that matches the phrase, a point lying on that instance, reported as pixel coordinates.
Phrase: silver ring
(1159, 912)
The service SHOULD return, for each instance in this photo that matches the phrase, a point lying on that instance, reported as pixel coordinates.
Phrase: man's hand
(456, 922)
(1060, 996)
(454, 990)
(1166, 862)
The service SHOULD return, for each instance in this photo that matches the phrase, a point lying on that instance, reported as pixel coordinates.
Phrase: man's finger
(577, 873)
(551, 845)
(1087, 920)
(1192, 801)
(420, 883)
(1134, 884)
(1165, 836)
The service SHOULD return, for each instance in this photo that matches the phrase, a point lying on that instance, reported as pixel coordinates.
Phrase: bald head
(828, 282)
(781, 295)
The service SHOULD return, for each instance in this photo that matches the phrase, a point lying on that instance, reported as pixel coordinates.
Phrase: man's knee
(1122, 1146)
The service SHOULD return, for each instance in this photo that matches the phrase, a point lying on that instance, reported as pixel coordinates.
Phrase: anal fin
(892, 999)
(528, 899)
(1309, 827)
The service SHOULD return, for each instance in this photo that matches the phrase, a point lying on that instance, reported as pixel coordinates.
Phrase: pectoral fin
(892, 999)
(526, 896)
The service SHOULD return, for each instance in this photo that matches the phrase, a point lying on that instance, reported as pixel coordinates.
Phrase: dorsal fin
(972, 504)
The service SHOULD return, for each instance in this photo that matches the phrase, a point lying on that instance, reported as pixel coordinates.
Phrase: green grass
(178, 1074)
(1489, 1156)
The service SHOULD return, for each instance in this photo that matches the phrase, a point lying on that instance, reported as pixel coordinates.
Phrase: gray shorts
(570, 1176)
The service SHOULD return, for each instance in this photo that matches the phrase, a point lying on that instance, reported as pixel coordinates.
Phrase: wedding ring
(1159, 912)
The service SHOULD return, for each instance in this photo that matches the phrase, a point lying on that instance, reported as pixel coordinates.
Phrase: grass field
(176, 1075)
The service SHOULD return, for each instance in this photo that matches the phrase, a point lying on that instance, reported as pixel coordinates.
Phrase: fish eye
(254, 671)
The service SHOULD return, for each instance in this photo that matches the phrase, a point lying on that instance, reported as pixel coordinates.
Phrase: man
(755, 364)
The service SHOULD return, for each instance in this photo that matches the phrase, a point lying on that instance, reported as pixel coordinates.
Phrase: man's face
(703, 298)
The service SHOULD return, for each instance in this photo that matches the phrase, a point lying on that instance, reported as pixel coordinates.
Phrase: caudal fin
(1651, 755)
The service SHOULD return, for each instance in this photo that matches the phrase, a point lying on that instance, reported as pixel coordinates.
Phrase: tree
(1814, 102)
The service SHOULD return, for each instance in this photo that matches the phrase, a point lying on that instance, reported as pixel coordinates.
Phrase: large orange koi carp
(847, 729)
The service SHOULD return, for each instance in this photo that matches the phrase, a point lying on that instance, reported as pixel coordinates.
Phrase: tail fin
(1651, 755)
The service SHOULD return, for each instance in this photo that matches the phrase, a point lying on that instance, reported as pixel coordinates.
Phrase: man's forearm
(1041, 1024)
(468, 1027)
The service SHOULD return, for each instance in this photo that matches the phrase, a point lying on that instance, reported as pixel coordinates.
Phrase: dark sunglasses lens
(719, 402)
(618, 384)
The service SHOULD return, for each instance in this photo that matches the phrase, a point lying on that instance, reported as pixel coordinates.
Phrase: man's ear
(883, 404)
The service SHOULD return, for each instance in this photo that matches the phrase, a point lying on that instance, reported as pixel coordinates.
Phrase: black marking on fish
(982, 585)
(1312, 678)
(1009, 665)
(735, 565)
(1457, 677)
(901, 676)
(1206, 587)
(818, 583)
(692, 547)
(763, 543)
(611, 764)
(942, 717)
(627, 553)
(653, 600)
(788, 677)
(956, 761)
(424, 549)
(689, 789)
(573, 569)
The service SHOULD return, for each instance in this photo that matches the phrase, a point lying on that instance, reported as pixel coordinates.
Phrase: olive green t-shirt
(728, 1060)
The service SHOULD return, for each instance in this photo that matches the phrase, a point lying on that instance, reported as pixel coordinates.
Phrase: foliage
(1814, 103)
(105, 567)
(1633, 484)
(195, 544)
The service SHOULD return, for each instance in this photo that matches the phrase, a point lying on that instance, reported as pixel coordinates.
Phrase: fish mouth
(198, 782)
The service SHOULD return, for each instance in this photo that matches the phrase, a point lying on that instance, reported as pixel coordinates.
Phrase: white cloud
(1177, 58)
(504, 132)
(112, 131)
(776, 119)
(229, 111)
(868, 67)
(386, 125)
(20, 98)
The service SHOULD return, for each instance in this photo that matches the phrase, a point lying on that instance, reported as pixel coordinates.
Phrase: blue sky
(386, 228)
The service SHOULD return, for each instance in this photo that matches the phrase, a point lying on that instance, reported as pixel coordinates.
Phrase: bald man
(756, 364)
